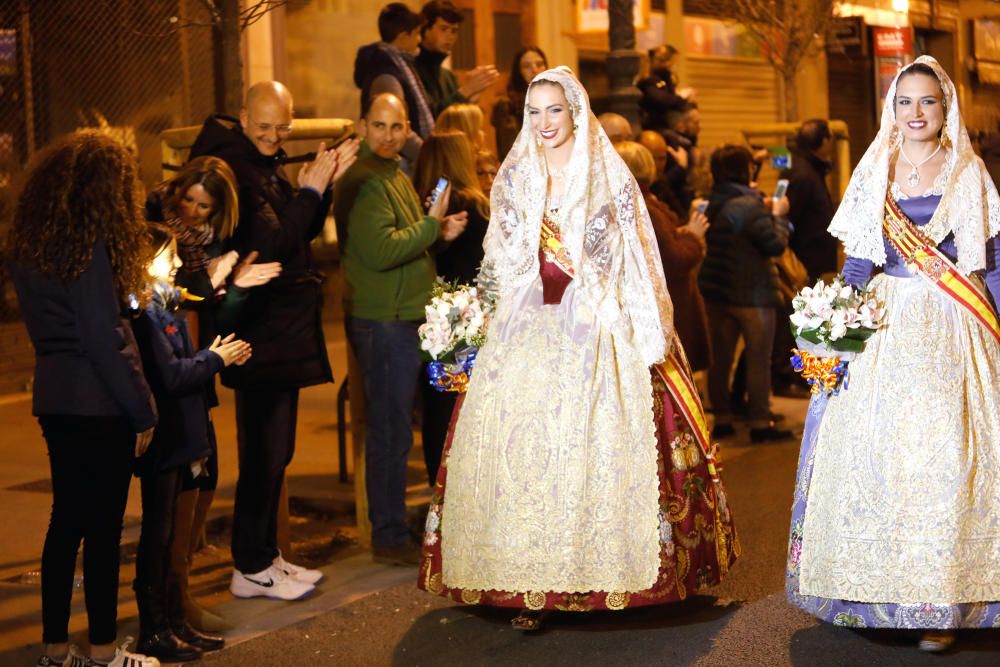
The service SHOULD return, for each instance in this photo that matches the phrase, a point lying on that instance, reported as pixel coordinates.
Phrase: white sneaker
(270, 583)
(125, 658)
(297, 571)
(73, 659)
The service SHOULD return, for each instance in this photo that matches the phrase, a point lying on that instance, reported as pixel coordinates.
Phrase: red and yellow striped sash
(553, 247)
(921, 253)
(675, 375)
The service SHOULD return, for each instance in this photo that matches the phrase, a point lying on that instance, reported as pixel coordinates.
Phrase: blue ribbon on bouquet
(453, 377)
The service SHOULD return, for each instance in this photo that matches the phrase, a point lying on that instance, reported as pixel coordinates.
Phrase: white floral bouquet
(457, 317)
(831, 323)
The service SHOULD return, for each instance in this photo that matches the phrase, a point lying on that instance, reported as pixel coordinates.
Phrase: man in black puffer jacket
(738, 281)
(281, 321)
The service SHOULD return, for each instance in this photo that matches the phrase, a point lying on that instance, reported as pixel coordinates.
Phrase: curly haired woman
(77, 250)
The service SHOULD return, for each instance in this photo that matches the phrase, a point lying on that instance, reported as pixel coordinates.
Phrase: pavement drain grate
(37, 486)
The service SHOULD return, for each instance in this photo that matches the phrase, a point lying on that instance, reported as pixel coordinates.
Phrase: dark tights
(91, 463)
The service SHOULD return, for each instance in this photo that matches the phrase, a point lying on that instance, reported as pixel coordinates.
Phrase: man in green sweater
(385, 239)
(437, 39)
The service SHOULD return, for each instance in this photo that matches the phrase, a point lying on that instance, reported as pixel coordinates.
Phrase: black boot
(180, 626)
(156, 639)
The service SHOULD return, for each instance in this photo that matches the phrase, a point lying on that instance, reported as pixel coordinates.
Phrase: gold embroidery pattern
(904, 500)
(552, 480)
(534, 600)
(471, 596)
(616, 601)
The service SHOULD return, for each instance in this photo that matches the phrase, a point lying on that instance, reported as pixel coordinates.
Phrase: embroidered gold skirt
(569, 479)
(903, 505)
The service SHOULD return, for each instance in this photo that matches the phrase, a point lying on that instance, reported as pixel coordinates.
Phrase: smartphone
(702, 207)
(438, 190)
(781, 188)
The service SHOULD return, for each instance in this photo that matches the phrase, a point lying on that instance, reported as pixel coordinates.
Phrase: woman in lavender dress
(896, 518)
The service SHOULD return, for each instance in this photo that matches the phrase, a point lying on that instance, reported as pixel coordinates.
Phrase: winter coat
(659, 97)
(181, 380)
(282, 319)
(743, 240)
(86, 359)
(681, 254)
(811, 211)
(440, 83)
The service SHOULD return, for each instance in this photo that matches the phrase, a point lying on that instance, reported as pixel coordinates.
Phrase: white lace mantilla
(603, 222)
(970, 205)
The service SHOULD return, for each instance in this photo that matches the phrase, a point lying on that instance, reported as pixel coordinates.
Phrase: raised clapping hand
(680, 156)
(318, 174)
(232, 351)
(220, 267)
(248, 274)
(347, 153)
(478, 80)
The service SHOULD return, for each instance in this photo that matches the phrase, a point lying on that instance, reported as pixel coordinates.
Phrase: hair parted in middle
(449, 153)
(219, 182)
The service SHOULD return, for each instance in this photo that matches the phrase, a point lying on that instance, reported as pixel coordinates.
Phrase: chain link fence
(135, 68)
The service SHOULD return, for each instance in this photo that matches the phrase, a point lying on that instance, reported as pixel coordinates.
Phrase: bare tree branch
(788, 31)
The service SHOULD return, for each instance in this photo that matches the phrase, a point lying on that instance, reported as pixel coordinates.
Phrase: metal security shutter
(732, 93)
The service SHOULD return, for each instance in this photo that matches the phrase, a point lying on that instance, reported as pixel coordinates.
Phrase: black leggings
(91, 462)
(159, 500)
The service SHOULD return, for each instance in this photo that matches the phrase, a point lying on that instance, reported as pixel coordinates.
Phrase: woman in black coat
(738, 281)
(77, 251)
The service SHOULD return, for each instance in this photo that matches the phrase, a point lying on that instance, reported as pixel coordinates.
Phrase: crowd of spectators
(124, 385)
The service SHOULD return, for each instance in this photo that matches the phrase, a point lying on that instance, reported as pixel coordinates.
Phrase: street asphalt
(744, 621)
(367, 614)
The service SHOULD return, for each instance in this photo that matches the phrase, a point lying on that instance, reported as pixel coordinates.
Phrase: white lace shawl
(603, 221)
(970, 206)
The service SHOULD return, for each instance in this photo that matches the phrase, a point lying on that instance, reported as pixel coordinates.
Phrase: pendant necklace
(913, 178)
(555, 172)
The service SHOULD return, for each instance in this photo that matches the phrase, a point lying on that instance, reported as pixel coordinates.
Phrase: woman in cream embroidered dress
(896, 519)
(574, 482)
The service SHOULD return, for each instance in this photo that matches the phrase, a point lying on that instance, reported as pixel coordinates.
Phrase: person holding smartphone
(446, 158)
(738, 281)
(386, 241)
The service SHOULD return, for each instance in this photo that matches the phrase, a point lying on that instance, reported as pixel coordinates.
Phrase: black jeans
(265, 430)
(389, 356)
(91, 463)
(159, 500)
